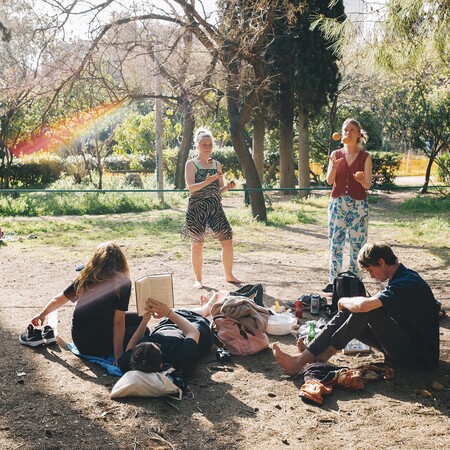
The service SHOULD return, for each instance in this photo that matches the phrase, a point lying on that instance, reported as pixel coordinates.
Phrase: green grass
(75, 204)
(418, 221)
(426, 205)
(284, 211)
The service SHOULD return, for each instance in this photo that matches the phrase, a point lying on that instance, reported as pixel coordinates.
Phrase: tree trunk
(186, 142)
(237, 132)
(258, 144)
(432, 157)
(303, 153)
(287, 179)
(6, 155)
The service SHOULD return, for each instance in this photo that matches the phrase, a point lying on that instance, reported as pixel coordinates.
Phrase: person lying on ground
(101, 324)
(401, 321)
(180, 339)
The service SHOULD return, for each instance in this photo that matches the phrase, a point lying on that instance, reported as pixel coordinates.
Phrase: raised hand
(359, 176)
(335, 162)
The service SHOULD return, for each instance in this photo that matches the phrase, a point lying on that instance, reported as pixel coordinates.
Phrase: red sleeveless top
(345, 183)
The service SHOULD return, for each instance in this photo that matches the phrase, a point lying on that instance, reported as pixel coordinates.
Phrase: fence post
(246, 195)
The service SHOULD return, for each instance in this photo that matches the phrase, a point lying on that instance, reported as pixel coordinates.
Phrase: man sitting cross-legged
(401, 321)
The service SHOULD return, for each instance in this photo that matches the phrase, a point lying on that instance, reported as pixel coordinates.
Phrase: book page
(158, 287)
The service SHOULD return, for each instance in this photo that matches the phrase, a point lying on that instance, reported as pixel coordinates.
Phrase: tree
(418, 113)
(26, 76)
(317, 76)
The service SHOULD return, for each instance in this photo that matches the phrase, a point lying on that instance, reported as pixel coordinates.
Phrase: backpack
(232, 335)
(251, 291)
(346, 284)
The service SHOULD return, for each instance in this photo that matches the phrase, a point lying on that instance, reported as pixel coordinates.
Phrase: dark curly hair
(146, 357)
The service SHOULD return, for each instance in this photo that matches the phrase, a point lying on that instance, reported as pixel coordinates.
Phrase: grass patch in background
(33, 204)
(282, 211)
(426, 205)
(75, 204)
(422, 221)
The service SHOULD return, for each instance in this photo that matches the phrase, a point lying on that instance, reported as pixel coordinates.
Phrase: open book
(158, 287)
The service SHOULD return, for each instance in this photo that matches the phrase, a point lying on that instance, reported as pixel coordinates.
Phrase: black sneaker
(328, 288)
(223, 355)
(48, 335)
(32, 337)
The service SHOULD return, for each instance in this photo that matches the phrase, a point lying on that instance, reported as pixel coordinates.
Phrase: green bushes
(443, 167)
(37, 170)
(76, 203)
(384, 167)
(120, 162)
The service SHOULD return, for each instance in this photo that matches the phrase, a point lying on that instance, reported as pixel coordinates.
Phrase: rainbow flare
(66, 130)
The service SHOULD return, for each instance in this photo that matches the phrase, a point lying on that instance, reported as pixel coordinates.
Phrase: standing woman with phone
(204, 180)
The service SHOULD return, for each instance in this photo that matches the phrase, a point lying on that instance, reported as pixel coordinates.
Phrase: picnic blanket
(104, 361)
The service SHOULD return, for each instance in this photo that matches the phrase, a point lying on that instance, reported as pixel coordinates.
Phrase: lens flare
(67, 130)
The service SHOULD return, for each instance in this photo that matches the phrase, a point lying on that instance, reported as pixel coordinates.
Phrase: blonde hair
(364, 136)
(108, 261)
(203, 133)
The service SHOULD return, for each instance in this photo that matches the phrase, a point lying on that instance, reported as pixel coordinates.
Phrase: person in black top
(179, 340)
(101, 293)
(401, 321)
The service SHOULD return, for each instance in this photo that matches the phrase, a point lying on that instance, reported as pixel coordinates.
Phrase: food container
(280, 324)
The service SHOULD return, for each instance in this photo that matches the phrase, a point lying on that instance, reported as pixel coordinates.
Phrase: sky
(77, 25)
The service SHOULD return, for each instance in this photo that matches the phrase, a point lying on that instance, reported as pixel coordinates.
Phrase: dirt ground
(50, 399)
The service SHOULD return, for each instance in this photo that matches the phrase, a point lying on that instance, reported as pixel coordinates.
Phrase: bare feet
(205, 298)
(300, 345)
(290, 364)
(205, 309)
(234, 280)
(198, 284)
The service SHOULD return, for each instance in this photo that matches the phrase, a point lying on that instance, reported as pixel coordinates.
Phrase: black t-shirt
(93, 317)
(410, 302)
(177, 350)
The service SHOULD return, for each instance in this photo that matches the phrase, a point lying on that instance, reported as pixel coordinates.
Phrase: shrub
(142, 162)
(443, 167)
(170, 157)
(385, 165)
(79, 166)
(116, 162)
(37, 170)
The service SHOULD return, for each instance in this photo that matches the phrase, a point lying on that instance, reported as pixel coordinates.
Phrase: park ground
(50, 399)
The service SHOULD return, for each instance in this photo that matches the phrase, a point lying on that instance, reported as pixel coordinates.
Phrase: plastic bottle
(312, 332)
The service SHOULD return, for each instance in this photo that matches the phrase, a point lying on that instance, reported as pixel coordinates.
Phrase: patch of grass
(32, 204)
(159, 231)
(426, 205)
(433, 231)
(312, 210)
(77, 203)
